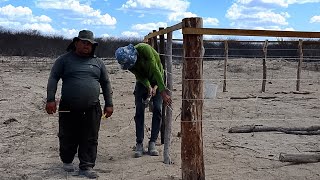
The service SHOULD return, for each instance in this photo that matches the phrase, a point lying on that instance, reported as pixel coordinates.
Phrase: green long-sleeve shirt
(148, 68)
(81, 81)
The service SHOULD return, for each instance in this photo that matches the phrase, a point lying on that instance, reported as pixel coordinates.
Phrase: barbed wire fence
(244, 104)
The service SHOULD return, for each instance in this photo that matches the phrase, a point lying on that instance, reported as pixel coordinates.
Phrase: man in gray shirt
(80, 112)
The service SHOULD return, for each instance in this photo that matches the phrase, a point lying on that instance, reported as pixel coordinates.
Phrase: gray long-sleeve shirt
(81, 81)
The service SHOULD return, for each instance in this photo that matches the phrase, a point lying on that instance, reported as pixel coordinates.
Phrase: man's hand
(152, 91)
(107, 112)
(51, 107)
(166, 98)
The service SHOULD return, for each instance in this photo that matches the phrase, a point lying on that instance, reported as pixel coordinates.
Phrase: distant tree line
(33, 43)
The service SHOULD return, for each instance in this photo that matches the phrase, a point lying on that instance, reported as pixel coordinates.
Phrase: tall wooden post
(150, 41)
(155, 42)
(192, 164)
(168, 119)
(264, 64)
(163, 62)
(226, 53)
(299, 65)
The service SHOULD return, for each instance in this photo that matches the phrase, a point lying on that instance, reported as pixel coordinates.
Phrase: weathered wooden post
(168, 119)
(192, 164)
(155, 42)
(226, 53)
(163, 62)
(264, 66)
(150, 41)
(299, 65)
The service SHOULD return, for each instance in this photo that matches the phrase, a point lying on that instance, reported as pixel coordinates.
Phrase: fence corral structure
(192, 164)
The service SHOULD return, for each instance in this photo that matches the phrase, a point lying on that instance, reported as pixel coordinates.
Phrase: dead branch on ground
(312, 130)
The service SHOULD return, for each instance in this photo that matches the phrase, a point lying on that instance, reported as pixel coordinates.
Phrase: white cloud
(173, 5)
(210, 22)
(177, 16)
(315, 19)
(175, 10)
(272, 17)
(22, 14)
(282, 3)
(149, 26)
(42, 18)
(246, 16)
(105, 35)
(9, 24)
(46, 28)
(12, 11)
(83, 10)
(130, 34)
(289, 29)
(69, 33)
(22, 18)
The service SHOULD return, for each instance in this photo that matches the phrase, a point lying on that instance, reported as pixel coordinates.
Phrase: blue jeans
(141, 93)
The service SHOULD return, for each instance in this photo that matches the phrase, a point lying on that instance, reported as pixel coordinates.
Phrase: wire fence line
(254, 99)
(221, 96)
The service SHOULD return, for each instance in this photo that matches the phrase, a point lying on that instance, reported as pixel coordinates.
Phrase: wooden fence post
(150, 41)
(264, 64)
(299, 65)
(155, 42)
(163, 62)
(226, 53)
(168, 119)
(192, 165)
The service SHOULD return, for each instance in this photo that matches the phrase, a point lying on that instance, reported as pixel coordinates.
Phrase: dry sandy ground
(29, 144)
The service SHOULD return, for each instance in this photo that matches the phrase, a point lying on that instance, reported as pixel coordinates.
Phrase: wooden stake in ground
(264, 64)
(192, 165)
(168, 118)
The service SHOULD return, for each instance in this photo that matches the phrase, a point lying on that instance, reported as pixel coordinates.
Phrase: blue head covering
(126, 56)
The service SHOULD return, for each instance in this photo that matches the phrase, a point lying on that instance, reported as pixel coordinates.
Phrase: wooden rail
(247, 32)
(163, 31)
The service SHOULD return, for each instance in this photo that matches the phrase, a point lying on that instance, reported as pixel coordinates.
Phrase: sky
(136, 18)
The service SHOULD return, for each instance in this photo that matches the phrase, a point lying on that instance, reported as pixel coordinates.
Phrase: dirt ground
(29, 143)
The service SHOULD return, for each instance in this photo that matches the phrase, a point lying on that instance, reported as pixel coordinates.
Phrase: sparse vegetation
(33, 43)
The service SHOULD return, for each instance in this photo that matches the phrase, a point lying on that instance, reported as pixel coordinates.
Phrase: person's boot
(89, 173)
(68, 167)
(152, 151)
(139, 150)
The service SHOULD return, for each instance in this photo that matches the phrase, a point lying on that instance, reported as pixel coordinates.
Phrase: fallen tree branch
(299, 158)
(250, 97)
(312, 130)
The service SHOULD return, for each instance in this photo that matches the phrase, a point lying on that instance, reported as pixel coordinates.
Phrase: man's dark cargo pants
(78, 132)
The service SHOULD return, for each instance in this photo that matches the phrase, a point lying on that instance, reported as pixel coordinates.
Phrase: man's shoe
(68, 167)
(89, 173)
(139, 150)
(152, 151)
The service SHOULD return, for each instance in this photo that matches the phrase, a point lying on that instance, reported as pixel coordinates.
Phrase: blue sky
(135, 18)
